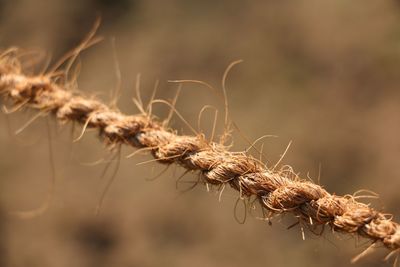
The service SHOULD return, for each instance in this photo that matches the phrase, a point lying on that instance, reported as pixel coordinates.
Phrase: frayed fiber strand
(277, 193)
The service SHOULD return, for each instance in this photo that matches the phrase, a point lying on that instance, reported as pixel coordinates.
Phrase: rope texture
(277, 192)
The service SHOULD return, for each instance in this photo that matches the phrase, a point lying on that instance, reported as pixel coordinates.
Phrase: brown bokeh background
(324, 74)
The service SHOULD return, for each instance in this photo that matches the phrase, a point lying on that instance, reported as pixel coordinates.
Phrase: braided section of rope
(277, 193)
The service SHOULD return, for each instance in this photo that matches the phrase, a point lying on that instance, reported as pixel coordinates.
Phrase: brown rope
(277, 192)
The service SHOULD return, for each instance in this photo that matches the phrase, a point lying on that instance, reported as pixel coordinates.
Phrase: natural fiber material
(276, 191)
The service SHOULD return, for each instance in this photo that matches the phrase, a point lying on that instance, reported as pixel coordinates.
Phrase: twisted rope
(277, 192)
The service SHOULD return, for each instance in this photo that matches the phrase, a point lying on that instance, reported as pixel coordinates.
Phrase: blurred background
(323, 74)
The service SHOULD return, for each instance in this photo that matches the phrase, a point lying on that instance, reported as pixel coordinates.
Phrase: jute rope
(277, 192)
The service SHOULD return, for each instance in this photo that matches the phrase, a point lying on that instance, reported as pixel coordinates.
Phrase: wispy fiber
(276, 191)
